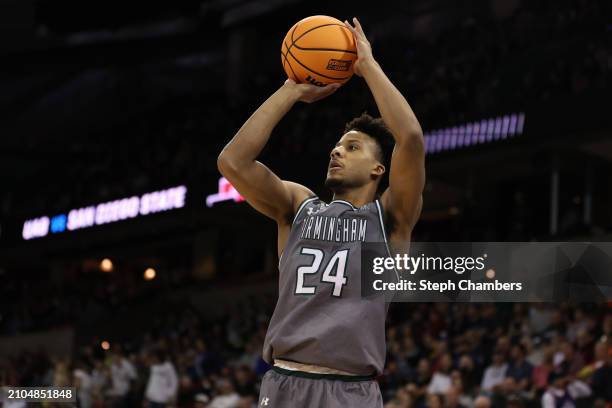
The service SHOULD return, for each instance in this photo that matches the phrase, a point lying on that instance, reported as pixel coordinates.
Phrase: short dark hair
(377, 130)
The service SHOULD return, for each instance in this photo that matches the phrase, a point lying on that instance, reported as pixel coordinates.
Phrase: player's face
(353, 161)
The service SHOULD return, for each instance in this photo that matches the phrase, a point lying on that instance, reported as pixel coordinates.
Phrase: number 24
(337, 262)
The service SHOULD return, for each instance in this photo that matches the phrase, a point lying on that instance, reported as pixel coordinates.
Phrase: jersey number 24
(337, 265)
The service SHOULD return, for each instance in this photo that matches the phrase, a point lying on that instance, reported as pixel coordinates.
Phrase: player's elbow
(225, 163)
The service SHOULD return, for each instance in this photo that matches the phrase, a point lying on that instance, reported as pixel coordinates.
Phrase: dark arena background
(122, 248)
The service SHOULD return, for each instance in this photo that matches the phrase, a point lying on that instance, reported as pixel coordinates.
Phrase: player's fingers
(349, 26)
(328, 90)
(358, 26)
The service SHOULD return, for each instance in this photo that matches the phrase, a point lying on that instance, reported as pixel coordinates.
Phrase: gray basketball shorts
(282, 388)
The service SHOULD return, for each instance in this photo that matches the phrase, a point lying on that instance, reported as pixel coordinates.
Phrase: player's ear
(379, 169)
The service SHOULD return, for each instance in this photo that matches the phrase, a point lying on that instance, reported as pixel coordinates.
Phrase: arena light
(106, 265)
(105, 345)
(226, 192)
(106, 213)
(149, 274)
(470, 134)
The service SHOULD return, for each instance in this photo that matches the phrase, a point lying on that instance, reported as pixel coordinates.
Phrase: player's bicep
(403, 198)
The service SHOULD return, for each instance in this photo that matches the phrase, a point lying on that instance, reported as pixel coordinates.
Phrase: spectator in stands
(519, 369)
(226, 397)
(568, 356)
(82, 381)
(495, 373)
(99, 382)
(562, 391)
(482, 402)
(601, 379)
(470, 376)
(441, 380)
(452, 398)
(122, 373)
(418, 387)
(540, 372)
(162, 386)
(245, 385)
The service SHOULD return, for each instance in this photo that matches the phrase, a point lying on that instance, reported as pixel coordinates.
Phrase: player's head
(361, 156)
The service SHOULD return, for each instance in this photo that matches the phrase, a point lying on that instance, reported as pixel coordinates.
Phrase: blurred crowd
(439, 355)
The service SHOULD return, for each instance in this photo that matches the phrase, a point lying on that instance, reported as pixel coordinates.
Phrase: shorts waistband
(316, 376)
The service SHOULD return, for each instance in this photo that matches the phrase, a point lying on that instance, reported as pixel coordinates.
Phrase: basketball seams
(313, 71)
(324, 49)
(285, 54)
(312, 29)
(289, 63)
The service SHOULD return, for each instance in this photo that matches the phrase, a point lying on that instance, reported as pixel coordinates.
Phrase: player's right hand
(311, 93)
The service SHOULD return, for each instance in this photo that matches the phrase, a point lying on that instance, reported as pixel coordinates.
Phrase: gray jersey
(320, 317)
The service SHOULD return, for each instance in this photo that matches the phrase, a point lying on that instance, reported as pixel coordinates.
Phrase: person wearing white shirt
(441, 381)
(227, 397)
(83, 383)
(163, 381)
(495, 373)
(122, 373)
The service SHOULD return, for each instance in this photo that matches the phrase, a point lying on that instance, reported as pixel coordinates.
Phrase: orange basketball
(319, 50)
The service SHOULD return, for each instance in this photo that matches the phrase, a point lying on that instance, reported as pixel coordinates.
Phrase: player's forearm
(249, 141)
(394, 109)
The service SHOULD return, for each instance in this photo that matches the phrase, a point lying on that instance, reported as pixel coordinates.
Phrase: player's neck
(358, 197)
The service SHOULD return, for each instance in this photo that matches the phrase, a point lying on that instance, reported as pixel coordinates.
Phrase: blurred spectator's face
(446, 362)
(433, 401)
(224, 387)
(408, 343)
(452, 397)
(560, 382)
(503, 343)
(482, 402)
(423, 367)
(583, 338)
(498, 358)
(601, 351)
(568, 350)
(357, 154)
(516, 353)
(186, 381)
(466, 362)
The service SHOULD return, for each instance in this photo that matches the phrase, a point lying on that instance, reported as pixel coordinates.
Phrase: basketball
(319, 50)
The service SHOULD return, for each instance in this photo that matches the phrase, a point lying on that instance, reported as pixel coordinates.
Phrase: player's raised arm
(263, 189)
(403, 199)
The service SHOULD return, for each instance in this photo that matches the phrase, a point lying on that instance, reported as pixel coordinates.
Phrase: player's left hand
(364, 49)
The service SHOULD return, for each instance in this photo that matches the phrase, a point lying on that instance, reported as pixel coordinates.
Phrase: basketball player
(326, 343)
